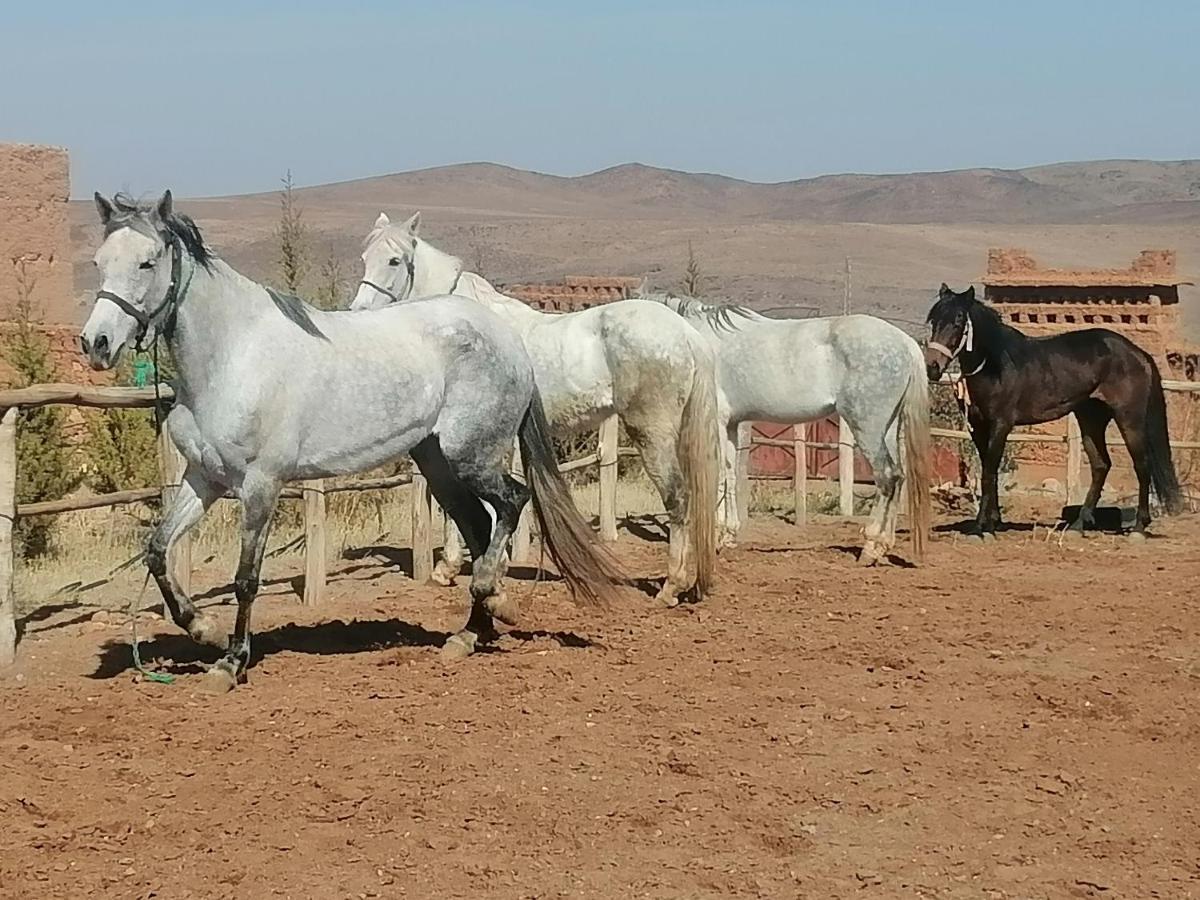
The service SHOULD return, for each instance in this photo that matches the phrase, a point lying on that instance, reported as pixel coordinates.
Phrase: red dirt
(1011, 720)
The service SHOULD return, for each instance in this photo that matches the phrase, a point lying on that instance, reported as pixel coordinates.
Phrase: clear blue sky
(221, 97)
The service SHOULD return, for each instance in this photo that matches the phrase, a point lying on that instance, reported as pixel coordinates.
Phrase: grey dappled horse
(270, 390)
(796, 370)
(627, 357)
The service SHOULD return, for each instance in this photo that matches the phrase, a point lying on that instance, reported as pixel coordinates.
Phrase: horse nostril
(101, 345)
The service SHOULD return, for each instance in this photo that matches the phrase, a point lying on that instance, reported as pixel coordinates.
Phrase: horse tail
(1158, 446)
(698, 452)
(589, 569)
(918, 460)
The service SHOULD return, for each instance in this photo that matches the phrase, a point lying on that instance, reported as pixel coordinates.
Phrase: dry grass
(96, 563)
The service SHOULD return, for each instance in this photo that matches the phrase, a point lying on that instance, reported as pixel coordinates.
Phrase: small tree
(329, 295)
(693, 276)
(45, 468)
(478, 251)
(291, 232)
(122, 448)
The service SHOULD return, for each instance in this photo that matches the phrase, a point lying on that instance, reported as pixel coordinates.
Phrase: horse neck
(993, 339)
(520, 315)
(217, 307)
(435, 272)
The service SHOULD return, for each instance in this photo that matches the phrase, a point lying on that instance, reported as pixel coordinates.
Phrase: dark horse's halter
(166, 308)
(408, 288)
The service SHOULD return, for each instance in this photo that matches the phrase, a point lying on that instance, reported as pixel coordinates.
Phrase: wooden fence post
(800, 475)
(8, 514)
(314, 542)
(608, 478)
(422, 537)
(845, 467)
(745, 434)
(522, 538)
(171, 466)
(1074, 450)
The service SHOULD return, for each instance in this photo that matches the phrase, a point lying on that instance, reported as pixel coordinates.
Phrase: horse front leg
(195, 495)
(259, 498)
(991, 452)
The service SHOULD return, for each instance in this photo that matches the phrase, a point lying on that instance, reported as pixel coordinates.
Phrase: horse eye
(394, 261)
(148, 264)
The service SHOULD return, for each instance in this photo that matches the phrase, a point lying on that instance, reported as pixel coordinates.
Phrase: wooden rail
(313, 494)
(1073, 484)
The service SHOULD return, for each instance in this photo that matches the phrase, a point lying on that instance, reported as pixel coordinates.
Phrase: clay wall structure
(35, 240)
(1141, 301)
(575, 292)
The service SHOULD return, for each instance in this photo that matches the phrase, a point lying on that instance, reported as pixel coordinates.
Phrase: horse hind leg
(455, 489)
(662, 465)
(1133, 431)
(1093, 418)
(880, 444)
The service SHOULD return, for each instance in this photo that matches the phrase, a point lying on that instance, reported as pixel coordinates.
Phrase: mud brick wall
(34, 189)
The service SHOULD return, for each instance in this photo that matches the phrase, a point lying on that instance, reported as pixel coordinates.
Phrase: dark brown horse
(1013, 379)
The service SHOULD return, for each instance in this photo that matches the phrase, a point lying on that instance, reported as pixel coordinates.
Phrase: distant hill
(1066, 193)
(773, 246)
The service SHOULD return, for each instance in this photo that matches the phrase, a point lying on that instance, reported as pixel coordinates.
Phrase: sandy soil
(1016, 719)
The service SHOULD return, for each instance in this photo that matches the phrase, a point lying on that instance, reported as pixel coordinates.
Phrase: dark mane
(719, 316)
(144, 218)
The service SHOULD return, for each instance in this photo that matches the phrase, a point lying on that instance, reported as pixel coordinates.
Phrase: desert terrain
(778, 247)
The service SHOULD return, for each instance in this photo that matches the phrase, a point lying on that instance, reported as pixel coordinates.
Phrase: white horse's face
(134, 267)
(387, 264)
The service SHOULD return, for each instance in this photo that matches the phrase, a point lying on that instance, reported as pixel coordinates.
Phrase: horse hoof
(218, 680)
(988, 537)
(206, 630)
(443, 576)
(1137, 537)
(974, 537)
(458, 646)
(505, 609)
(667, 598)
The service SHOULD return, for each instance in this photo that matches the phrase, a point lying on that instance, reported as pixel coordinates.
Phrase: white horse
(270, 390)
(631, 357)
(796, 370)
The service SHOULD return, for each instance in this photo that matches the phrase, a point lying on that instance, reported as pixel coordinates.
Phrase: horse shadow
(898, 561)
(183, 656)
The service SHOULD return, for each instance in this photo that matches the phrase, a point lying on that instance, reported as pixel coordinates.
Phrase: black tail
(588, 568)
(1158, 447)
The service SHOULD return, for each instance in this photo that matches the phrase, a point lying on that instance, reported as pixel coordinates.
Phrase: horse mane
(143, 217)
(720, 316)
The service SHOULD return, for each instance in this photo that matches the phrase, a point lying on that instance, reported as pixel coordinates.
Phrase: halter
(966, 342)
(408, 288)
(165, 309)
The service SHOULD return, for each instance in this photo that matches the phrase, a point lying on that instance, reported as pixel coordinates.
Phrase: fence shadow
(178, 654)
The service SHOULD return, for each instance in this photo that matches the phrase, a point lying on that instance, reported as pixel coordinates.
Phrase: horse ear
(969, 293)
(383, 221)
(104, 207)
(165, 205)
(413, 225)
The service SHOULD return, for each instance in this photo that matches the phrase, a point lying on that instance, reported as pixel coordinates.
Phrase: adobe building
(1140, 302)
(35, 251)
(575, 292)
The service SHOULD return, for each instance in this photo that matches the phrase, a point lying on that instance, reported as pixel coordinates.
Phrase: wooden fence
(1074, 481)
(314, 493)
(171, 467)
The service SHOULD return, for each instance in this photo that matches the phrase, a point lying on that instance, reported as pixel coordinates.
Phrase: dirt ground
(1018, 719)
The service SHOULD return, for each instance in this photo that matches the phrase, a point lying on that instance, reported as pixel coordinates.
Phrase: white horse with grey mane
(796, 370)
(631, 357)
(270, 390)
